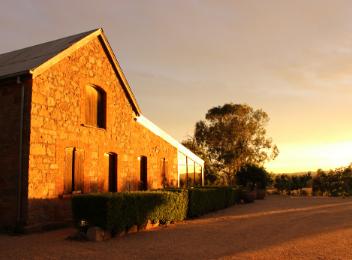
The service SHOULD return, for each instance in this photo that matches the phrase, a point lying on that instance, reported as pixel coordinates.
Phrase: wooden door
(111, 169)
(164, 173)
(78, 173)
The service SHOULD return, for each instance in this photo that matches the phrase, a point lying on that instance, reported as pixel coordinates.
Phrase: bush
(273, 192)
(211, 198)
(121, 211)
(204, 199)
(251, 175)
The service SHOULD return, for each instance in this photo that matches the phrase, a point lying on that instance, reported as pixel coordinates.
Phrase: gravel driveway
(279, 227)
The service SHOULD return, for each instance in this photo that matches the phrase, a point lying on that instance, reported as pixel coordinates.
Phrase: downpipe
(20, 151)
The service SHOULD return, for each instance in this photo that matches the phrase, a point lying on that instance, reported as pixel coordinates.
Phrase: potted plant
(249, 195)
(257, 177)
(261, 193)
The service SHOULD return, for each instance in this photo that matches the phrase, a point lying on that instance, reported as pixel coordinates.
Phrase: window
(182, 166)
(95, 107)
(74, 171)
(110, 164)
(190, 172)
(198, 175)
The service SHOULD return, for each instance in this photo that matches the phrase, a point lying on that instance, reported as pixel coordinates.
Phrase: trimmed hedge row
(120, 211)
(211, 198)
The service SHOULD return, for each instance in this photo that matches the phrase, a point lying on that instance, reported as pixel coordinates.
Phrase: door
(143, 174)
(111, 168)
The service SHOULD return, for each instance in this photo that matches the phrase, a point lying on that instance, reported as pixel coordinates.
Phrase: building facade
(70, 125)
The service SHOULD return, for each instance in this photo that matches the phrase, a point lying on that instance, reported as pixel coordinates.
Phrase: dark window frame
(95, 107)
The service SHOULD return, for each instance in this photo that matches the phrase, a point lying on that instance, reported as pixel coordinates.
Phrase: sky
(292, 59)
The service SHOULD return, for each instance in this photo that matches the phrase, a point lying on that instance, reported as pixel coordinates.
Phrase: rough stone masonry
(54, 119)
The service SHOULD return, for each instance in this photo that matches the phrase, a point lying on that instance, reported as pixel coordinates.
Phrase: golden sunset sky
(293, 59)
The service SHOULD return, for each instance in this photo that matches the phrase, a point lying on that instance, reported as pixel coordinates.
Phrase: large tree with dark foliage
(233, 135)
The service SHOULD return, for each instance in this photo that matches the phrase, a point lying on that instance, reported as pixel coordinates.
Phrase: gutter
(20, 151)
(14, 75)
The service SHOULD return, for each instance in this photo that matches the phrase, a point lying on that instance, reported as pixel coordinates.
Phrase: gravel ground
(278, 227)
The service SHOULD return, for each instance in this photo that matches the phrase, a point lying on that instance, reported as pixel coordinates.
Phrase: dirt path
(276, 228)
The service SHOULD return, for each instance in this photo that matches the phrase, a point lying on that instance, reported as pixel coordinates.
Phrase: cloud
(324, 70)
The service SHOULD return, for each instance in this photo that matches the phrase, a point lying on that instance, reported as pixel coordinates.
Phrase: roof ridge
(49, 41)
(31, 57)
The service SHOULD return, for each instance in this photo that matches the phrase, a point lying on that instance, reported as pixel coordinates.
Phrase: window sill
(94, 127)
(69, 196)
(65, 196)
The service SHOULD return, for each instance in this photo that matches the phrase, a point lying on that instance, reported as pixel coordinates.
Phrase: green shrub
(252, 175)
(202, 201)
(211, 198)
(121, 211)
(237, 191)
(273, 192)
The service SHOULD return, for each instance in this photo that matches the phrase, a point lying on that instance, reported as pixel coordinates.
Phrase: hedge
(204, 199)
(121, 211)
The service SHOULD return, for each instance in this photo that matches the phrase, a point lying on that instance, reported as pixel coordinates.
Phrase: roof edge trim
(46, 65)
(119, 71)
(157, 131)
(15, 74)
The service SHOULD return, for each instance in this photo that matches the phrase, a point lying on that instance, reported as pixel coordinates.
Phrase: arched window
(95, 107)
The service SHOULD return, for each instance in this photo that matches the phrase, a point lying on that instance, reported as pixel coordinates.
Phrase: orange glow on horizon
(310, 157)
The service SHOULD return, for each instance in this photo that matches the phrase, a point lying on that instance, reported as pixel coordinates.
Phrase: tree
(303, 181)
(252, 175)
(283, 183)
(233, 135)
(319, 182)
(336, 182)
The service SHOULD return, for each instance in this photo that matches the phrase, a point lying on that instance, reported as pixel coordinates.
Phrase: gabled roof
(38, 58)
(24, 60)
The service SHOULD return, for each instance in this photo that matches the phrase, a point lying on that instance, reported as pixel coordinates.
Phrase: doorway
(143, 173)
(111, 168)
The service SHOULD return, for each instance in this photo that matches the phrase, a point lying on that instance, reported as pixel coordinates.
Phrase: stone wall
(57, 121)
(10, 112)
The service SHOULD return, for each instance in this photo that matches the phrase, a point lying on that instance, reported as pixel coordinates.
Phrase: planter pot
(249, 196)
(261, 194)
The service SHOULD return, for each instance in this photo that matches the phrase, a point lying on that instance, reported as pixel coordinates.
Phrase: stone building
(70, 125)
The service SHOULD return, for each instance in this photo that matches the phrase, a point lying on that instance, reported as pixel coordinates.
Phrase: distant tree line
(288, 183)
(334, 183)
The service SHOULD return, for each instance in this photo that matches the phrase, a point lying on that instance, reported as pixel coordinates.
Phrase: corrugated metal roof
(29, 58)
